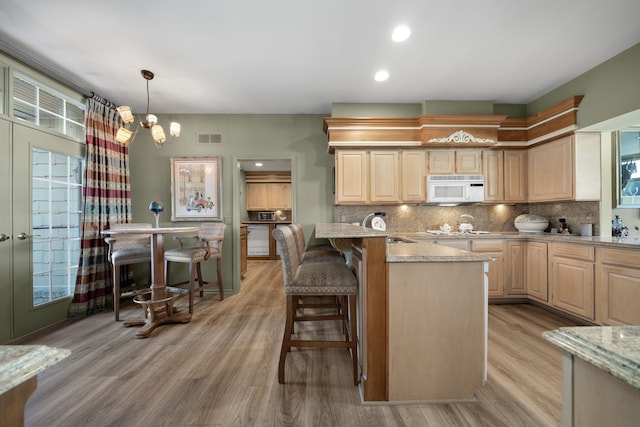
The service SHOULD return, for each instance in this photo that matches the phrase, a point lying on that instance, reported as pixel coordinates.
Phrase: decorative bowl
(528, 223)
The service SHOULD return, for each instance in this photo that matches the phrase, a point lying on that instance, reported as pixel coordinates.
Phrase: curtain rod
(105, 101)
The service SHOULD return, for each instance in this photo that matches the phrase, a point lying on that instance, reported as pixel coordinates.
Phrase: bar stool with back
(127, 249)
(322, 278)
(207, 247)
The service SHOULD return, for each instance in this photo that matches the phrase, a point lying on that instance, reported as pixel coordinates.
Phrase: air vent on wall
(209, 138)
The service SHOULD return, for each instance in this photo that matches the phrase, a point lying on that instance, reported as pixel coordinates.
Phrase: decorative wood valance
(446, 131)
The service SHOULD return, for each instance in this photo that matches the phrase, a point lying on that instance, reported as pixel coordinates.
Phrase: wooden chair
(207, 246)
(127, 249)
(313, 253)
(316, 279)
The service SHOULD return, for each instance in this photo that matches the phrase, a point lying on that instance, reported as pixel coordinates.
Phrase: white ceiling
(299, 56)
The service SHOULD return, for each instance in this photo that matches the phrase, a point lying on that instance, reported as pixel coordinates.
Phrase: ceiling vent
(209, 138)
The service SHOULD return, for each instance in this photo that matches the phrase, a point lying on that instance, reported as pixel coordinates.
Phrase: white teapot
(446, 228)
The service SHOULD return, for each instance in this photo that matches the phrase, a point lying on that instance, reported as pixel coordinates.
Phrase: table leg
(159, 308)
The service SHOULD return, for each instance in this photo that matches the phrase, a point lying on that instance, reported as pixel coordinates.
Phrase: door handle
(23, 236)
(4, 237)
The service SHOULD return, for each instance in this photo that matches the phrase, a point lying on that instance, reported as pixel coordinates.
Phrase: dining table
(158, 302)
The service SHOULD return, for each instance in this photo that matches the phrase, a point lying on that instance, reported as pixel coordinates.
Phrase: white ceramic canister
(586, 229)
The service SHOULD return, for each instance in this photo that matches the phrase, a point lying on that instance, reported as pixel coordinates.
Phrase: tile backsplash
(495, 218)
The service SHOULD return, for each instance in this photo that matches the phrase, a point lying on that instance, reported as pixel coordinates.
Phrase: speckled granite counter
(18, 363)
(415, 251)
(19, 368)
(430, 252)
(614, 349)
(622, 243)
(346, 231)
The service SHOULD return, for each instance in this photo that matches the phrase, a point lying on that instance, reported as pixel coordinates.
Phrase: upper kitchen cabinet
(257, 197)
(379, 176)
(515, 175)
(280, 196)
(268, 196)
(385, 176)
(505, 175)
(565, 169)
(268, 191)
(352, 176)
(463, 162)
(414, 181)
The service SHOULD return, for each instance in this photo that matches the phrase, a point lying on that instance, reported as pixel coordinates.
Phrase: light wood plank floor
(221, 370)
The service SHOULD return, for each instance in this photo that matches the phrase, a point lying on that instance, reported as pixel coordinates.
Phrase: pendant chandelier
(126, 136)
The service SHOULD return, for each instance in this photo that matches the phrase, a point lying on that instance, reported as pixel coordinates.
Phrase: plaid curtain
(106, 200)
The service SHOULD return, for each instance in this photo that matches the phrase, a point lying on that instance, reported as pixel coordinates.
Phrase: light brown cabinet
(384, 166)
(565, 169)
(515, 176)
(268, 196)
(352, 176)
(536, 271)
(380, 176)
(617, 287)
(257, 197)
(515, 279)
(495, 249)
(572, 279)
(493, 167)
(414, 179)
(465, 162)
(551, 171)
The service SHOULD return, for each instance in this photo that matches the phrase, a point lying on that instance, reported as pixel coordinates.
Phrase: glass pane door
(47, 192)
(56, 190)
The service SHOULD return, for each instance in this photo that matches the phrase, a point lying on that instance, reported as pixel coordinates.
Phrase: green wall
(244, 137)
(610, 89)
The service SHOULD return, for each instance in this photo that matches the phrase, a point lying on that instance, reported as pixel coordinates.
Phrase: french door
(46, 197)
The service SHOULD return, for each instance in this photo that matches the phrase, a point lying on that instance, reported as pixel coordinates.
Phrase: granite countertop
(18, 363)
(627, 242)
(430, 252)
(614, 349)
(346, 231)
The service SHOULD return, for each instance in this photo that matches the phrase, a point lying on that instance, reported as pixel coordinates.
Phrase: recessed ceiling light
(381, 76)
(258, 164)
(401, 33)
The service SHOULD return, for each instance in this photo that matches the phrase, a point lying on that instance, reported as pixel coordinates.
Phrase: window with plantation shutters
(44, 107)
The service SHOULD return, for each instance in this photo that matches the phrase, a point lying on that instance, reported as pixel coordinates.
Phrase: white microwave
(455, 189)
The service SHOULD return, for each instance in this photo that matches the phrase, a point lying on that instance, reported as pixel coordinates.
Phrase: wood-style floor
(221, 370)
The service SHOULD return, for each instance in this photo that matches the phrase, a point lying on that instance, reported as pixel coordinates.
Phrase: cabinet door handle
(23, 236)
(4, 237)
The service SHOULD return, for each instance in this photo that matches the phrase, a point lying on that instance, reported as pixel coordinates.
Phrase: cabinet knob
(4, 237)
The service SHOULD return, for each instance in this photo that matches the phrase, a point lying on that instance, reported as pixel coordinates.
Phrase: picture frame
(196, 188)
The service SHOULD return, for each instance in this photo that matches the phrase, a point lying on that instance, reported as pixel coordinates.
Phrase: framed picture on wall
(196, 187)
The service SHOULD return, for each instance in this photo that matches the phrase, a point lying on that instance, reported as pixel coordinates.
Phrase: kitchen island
(422, 316)
(600, 374)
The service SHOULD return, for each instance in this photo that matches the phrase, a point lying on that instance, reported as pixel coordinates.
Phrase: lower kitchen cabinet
(572, 279)
(515, 279)
(617, 287)
(535, 271)
(495, 249)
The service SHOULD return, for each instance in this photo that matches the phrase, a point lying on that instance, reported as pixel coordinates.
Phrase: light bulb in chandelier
(125, 135)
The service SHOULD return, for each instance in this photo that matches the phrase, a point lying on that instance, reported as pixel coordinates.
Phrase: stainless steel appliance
(266, 216)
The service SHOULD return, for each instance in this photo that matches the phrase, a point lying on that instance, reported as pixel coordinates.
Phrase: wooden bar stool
(127, 249)
(316, 279)
(207, 246)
